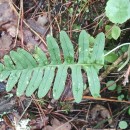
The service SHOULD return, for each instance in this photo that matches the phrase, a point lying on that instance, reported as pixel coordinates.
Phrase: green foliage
(123, 124)
(120, 97)
(32, 72)
(129, 111)
(118, 10)
(111, 57)
(111, 85)
(116, 31)
(112, 32)
(108, 31)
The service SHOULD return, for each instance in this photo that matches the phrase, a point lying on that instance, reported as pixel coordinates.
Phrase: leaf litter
(40, 24)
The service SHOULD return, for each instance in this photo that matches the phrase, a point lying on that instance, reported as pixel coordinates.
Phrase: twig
(112, 67)
(28, 25)
(100, 99)
(25, 110)
(18, 22)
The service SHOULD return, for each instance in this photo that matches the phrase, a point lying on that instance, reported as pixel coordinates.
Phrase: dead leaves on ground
(99, 113)
(9, 29)
(58, 125)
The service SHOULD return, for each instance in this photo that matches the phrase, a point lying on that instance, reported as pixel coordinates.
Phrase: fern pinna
(32, 72)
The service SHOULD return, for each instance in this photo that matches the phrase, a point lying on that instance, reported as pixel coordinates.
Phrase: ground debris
(58, 125)
(99, 110)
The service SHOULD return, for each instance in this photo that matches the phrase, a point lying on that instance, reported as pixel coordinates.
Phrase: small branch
(112, 67)
(100, 99)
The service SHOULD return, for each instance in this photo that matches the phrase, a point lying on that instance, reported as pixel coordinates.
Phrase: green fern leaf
(67, 48)
(98, 49)
(53, 50)
(35, 81)
(1, 67)
(60, 81)
(23, 81)
(46, 81)
(13, 78)
(40, 57)
(94, 84)
(35, 71)
(83, 47)
(77, 83)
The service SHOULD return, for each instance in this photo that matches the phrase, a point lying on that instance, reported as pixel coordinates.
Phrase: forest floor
(26, 24)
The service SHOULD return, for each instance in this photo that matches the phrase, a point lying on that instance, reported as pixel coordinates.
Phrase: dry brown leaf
(57, 125)
(67, 93)
(48, 128)
(1, 1)
(102, 111)
(28, 37)
(36, 27)
(7, 104)
(2, 126)
(12, 31)
(126, 79)
(5, 42)
(6, 13)
(37, 123)
(42, 20)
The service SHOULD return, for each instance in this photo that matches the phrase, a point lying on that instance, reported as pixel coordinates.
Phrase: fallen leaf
(37, 123)
(5, 42)
(57, 125)
(42, 20)
(102, 111)
(6, 13)
(12, 31)
(7, 104)
(36, 27)
(126, 79)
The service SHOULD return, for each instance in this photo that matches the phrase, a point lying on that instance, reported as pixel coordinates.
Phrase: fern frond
(32, 72)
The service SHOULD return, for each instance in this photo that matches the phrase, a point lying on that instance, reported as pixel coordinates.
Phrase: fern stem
(116, 48)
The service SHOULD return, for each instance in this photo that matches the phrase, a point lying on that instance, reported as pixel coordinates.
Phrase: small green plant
(118, 13)
(112, 32)
(31, 72)
(123, 124)
(129, 111)
(118, 10)
(111, 57)
(111, 85)
(116, 31)
(120, 97)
